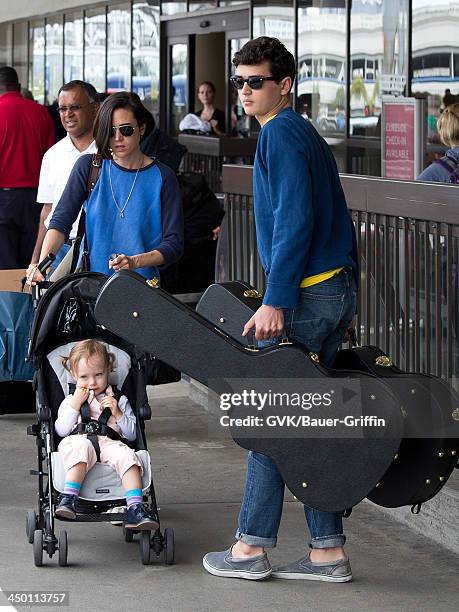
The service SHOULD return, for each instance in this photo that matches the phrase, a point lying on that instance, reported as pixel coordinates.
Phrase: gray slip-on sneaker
(305, 569)
(223, 564)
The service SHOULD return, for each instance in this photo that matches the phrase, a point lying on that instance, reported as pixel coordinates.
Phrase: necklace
(123, 208)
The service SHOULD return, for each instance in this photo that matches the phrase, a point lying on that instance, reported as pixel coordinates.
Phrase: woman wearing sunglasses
(134, 217)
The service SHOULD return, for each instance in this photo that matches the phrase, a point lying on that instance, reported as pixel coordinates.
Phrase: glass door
(178, 53)
(239, 121)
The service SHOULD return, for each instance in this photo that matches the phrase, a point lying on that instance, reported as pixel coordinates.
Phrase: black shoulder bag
(93, 177)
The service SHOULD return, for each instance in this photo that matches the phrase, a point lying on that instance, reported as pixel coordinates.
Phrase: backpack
(451, 166)
(202, 211)
(166, 149)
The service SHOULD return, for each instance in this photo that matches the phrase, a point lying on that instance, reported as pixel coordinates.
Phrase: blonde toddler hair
(87, 349)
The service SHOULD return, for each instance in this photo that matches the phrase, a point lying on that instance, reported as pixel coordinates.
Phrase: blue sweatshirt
(153, 217)
(436, 173)
(303, 225)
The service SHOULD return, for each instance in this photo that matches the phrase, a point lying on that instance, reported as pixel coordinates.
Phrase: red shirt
(26, 133)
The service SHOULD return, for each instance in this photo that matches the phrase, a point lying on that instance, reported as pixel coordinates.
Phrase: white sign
(392, 83)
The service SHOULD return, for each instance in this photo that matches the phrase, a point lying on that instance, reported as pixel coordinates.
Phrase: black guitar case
(329, 475)
(423, 463)
(430, 446)
(229, 306)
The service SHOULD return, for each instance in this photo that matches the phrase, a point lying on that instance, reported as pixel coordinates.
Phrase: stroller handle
(46, 262)
(42, 266)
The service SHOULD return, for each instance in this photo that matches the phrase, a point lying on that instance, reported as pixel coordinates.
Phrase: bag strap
(94, 173)
(451, 166)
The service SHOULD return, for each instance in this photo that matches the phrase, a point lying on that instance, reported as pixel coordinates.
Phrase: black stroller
(64, 316)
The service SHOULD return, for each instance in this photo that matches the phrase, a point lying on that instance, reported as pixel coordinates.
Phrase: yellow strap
(268, 119)
(318, 278)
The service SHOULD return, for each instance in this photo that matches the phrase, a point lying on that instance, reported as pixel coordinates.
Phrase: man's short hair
(9, 78)
(267, 49)
(89, 89)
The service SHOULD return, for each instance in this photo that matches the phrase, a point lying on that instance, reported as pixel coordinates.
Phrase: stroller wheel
(31, 524)
(145, 547)
(38, 547)
(63, 548)
(128, 534)
(169, 546)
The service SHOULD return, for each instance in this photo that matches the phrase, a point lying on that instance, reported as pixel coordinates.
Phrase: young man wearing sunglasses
(78, 103)
(307, 247)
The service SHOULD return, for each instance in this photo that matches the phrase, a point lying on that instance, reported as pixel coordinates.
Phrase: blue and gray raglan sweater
(153, 217)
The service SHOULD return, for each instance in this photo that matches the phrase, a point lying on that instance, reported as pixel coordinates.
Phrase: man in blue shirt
(307, 247)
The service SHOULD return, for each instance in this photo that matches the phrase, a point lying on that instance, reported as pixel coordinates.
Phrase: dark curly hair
(103, 122)
(267, 49)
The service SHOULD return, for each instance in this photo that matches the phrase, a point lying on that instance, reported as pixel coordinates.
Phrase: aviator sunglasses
(125, 129)
(254, 82)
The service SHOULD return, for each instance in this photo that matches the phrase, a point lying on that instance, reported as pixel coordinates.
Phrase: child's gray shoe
(305, 569)
(223, 564)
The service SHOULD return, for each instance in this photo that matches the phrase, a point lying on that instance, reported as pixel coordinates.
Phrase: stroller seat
(102, 483)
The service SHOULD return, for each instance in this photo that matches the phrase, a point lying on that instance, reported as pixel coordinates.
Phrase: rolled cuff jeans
(319, 323)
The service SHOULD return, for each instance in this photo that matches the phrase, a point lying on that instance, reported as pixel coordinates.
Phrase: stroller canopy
(66, 312)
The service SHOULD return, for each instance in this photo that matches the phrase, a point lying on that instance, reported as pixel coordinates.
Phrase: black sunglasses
(73, 108)
(254, 82)
(125, 130)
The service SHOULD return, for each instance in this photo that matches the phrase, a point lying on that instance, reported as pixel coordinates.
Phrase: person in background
(161, 146)
(340, 119)
(77, 106)
(448, 98)
(216, 117)
(26, 132)
(446, 169)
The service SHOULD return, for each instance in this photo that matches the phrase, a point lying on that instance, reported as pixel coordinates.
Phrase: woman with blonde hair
(446, 169)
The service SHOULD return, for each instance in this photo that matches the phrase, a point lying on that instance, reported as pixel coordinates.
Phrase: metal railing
(207, 154)
(407, 235)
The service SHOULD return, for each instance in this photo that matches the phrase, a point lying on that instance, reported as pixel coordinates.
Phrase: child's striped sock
(133, 497)
(72, 488)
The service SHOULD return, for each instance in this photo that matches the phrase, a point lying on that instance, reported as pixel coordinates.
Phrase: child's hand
(110, 402)
(79, 397)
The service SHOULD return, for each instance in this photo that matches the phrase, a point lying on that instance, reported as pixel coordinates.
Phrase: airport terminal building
(346, 51)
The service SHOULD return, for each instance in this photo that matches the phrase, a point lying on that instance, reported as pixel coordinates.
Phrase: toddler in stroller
(93, 422)
(72, 395)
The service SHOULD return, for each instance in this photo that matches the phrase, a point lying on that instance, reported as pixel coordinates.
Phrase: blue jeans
(320, 322)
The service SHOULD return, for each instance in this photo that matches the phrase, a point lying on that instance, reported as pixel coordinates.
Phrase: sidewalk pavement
(199, 482)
